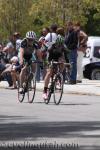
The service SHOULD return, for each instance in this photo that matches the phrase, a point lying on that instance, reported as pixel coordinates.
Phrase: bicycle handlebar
(56, 62)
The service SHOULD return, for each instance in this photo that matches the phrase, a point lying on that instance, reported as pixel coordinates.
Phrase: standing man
(82, 45)
(71, 41)
(42, 72)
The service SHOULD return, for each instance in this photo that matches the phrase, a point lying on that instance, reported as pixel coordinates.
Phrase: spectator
(42, 72)
(45, 31)
(14, 72)
(17, 39)
(71, 41)
(9, 49)
(4, 64)
(80, 51)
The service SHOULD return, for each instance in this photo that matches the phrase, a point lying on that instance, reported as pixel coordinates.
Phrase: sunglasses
(30, 40)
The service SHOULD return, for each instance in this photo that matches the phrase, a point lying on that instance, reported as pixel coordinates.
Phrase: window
(96, 52)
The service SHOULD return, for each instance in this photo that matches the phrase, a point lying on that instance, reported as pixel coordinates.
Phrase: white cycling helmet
(31, 35)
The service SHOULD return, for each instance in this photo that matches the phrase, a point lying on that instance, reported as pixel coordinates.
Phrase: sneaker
(45, 96)
(72, 82)
(79, 81)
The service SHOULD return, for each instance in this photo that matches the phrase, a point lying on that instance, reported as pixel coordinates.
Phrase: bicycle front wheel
(58, 88)
(20, 95)
(31, 87)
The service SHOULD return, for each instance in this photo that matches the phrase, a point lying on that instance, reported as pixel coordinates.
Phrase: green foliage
(24, 15)
(14, 16)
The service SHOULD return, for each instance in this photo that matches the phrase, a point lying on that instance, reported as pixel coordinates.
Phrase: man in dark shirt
(71, 41)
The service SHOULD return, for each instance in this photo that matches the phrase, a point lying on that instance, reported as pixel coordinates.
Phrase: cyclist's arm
(21, 51)
(39, 55)
(21, 59)
(38, 51)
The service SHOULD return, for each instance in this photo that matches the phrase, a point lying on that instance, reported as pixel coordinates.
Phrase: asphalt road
(75, 120)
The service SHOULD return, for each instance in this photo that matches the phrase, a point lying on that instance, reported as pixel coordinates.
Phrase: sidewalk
(87, 87)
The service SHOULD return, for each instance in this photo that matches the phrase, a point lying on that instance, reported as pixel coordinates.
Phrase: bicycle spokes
(31, 88)
(58, 89)
(21, 95)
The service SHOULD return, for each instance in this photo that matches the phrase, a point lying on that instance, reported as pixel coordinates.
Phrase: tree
(14, 16)
(24, 15)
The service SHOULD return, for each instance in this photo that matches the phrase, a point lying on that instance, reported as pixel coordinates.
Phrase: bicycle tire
(49, 92)
(20, 96)
(58, 88)
(31, 87)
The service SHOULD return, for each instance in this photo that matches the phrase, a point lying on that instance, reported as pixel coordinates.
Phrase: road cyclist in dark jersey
(57, 56)
(28, 51)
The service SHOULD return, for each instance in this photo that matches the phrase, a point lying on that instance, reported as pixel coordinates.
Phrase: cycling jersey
(29, 50)
(56, 46)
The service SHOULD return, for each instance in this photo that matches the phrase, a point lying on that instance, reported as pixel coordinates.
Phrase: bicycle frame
(29, 84)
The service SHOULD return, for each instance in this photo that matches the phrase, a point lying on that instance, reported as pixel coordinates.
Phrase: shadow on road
(15, 131)
(20, 131)
(12, 130)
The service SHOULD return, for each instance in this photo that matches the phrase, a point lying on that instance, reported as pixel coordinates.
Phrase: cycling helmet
(31, 35)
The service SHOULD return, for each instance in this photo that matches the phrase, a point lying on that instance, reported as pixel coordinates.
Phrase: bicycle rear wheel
(58, 88)
(20, 95)
(31, 87)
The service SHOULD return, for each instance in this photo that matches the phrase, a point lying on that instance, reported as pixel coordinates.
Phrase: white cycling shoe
(45, 96)
(21, 90)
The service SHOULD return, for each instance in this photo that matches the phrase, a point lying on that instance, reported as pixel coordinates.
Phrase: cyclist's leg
(39, 55)
(33, 64)
(46, 82)
(14, 78)
(62, 66)
(22, 77)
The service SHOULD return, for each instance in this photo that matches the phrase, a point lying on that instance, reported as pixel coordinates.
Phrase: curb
(73, 89)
